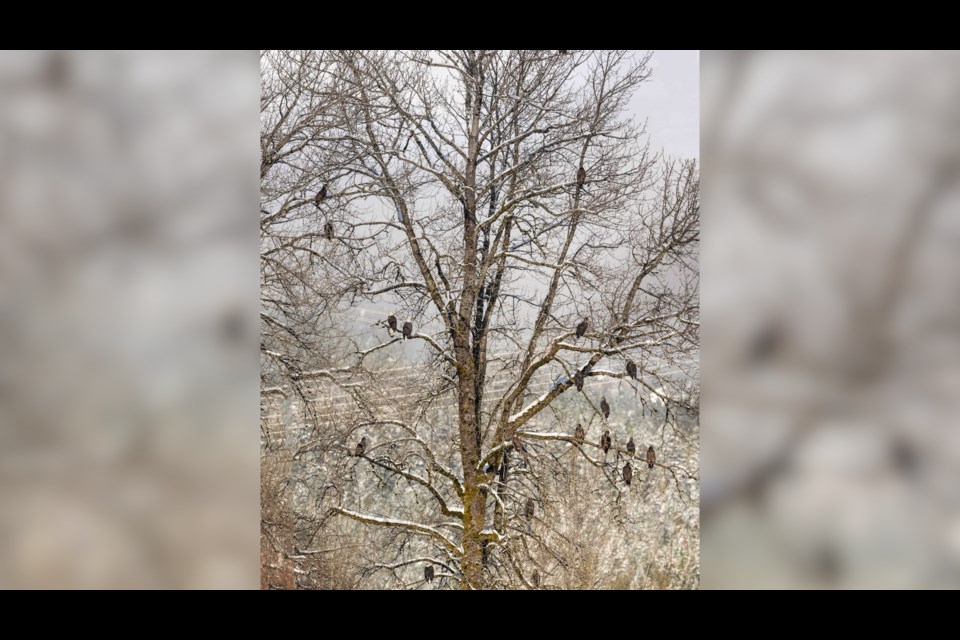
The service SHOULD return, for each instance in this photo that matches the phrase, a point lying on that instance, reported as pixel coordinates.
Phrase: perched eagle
(530, 508)
(361, 447)
(605, 442)
(321, 195)
(517, 445)
(535, 579)
(428, 573)
(627, 473)
(582, 327)
(578, 380)
(632, 369)
(408, 328)
(579, 434)
(391, 323)
(605, 407)
(631, 448)
(581, 176)
(562, 52)
(651, 457)
(328, 231)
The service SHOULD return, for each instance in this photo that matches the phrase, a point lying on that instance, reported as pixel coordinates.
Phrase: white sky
(670, 102)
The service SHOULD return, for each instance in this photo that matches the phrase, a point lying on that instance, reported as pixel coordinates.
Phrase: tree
(454, 189)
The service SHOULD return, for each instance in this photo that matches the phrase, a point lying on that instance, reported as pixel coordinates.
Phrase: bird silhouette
(605, 407)
(582, 327)
(391, 323)
(321, 195)
(632, 369)
(328, 231)
(627, 473)
(578, 434)
(408, 328)
(361, 447)
(428, 573)
(651, 457)
(581, 176)
(578, 380)
(530, 508)
(535, 579)
(605, 442)
(631, 448)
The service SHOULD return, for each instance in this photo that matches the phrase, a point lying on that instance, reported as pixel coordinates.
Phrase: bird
(632, 369)
(408, 328)
(530, 508)
(578, 380)
(651, 457)
(535, 579)
(627, 473)
(328, 231)
(321, 195)
(391, 323)
(631, 448)
(562, 52)
(582, 327)
(361, 447)
(605, 407)
(517, 445)
(428, 573)
(581, 176)
(578, 434)
(605, 442)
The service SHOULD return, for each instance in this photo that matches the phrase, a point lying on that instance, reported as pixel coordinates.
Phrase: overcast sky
(670, 102)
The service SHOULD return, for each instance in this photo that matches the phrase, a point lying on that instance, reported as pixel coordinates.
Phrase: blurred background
(831, 335)
(128, 319)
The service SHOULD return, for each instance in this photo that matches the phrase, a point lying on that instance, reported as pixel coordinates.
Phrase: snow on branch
(413, 527)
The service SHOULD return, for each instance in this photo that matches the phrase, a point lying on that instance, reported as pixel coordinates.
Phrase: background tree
(454, 199)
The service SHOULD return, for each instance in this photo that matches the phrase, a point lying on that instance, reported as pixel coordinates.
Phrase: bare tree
(497, 199)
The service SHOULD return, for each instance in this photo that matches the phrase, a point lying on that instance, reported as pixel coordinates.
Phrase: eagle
(605, 442)
(535, 579)
(605, 407)
(428, 573)
(391, 323)
(651, 457)
(517, 445)
(582, 327)
(321, 195)
(579, 434)
(530, 508)
(361, 447)
(578, 380)
(631, 448)
(632, 369)
(627, 473)
(328, 231)
(408, 328)
(581, 176)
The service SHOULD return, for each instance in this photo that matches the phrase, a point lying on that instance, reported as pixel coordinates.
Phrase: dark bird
(535, 579)
(651, 457)
(605, 407)
(321, 195)
(605, 442)
(579, 434)
(581, 176)
(530, 508)
(391, 324)
(361, 447)
(517, 445)
(328, 231)
(632, 369)
(428, 573)
(562, 52)
(627, 473)
(631, 448)
(408, 328)
(578, 380)
(582, 327)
